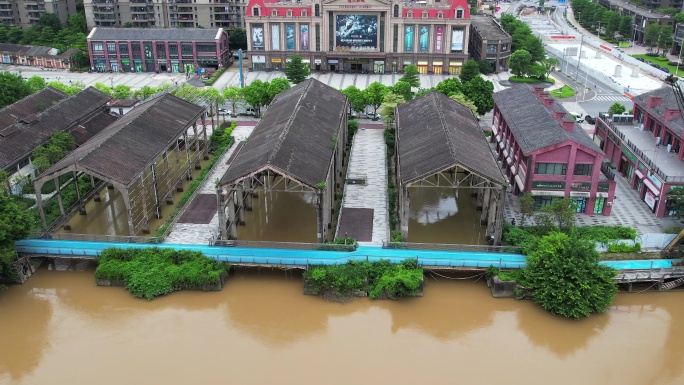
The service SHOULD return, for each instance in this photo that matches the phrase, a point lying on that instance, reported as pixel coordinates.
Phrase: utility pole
(579, 57)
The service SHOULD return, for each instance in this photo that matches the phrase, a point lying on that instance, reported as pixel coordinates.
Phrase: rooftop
(152, 34)
(31, 50)
(533, 124)
(295, 137)
(643, 145)
(669, 103)
(638, 10)
(435, 133)
(32, 104)
(63, 116)
(122, 150)
(488, 27)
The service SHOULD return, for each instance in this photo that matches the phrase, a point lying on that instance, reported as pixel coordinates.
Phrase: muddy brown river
(59, 328)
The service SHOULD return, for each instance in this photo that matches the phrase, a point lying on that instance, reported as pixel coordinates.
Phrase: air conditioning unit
(657, 141)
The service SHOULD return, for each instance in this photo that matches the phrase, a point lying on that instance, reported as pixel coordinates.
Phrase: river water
(59, 328)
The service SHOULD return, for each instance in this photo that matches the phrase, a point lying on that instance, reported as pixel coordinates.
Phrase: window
(425, 15)
(395, 40)
(274, 13)
(491, 48)
(206, 48)
(186, 50)
(551, 168)
(583, 169)
(395, 12)
(161, 51)
(123, 48)
(173, 50)
(317, 10)
(540, 202)
(409, 14)
(111, 48)
(504, 47)
(303, 13)
(98, 47)
(255, 11)
(440, 15)
(459, 14)
(289, 13)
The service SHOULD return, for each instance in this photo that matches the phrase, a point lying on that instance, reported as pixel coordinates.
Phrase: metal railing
(284, 245)
(94, 237)
(454, 247)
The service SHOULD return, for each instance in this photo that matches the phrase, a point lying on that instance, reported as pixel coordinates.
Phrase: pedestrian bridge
(292, 258)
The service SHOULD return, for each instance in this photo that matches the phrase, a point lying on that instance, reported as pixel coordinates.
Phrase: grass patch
(378, 279)
(149, 273)
(563, 92)
(660, 61)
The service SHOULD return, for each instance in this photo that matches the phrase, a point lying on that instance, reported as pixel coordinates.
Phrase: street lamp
(111, 80)
(679, 62)
(599, 30)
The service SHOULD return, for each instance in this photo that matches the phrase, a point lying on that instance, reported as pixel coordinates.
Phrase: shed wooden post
(240, 191)
(404, 210)
(221, 213)
(231, 215)
(127, 203)
(39, 200)
(319, 215)
(58, 191)
(485, 204)
(498, 226)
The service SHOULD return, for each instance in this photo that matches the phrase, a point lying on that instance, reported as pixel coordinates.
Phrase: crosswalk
(611, 98)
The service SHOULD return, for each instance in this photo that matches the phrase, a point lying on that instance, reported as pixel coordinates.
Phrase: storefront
(455, 67)
(422, 67)
(100, 63)
(437, 67)
(114, 65)
(138, 65)
(379, 67)
(356, 65)
(189, 67)
(258, 62)
(317, 63)
(175, 67)
(126, 65)
(276, 64)
(150, 66)
(333, 64)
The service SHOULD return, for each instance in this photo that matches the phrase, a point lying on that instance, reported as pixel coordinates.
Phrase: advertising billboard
(356, 31)
(275, 37)
(258, 37)
(423, 41)
(304, 37)
(289, 37)
(457, 41)
(439, 39)
(408, 39)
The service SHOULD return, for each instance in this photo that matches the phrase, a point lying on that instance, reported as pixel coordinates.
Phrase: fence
(574, 62)
(94, 238)
(450, 247)
(284, 245)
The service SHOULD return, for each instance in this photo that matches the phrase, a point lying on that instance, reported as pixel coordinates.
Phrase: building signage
(642, 166)
(258, 37)
(258, 59)
(603, 187)
(356, 30)
(275, 37)
(457, 41)
(408, 39)
(423, 41)
(304, 37)
(650, 199)
(355, 6)
(629, 154)
(549, 185)
(290, 37)
(439, 39)
(580, 186)
(653, 178)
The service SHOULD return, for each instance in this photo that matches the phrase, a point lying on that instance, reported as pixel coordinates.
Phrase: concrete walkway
(199, 234)
(368, 159)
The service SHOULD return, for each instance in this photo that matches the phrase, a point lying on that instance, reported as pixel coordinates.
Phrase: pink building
(646, 146)
(547, 154)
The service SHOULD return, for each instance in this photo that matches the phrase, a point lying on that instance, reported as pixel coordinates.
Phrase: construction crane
(672, 250)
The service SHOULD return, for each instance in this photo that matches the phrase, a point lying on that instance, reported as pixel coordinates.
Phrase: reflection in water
(437, 215)
(280, 217)
(59, 329)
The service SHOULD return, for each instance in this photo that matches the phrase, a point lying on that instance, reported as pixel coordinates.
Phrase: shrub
(615, 247)
(215, 76)
(518, 236)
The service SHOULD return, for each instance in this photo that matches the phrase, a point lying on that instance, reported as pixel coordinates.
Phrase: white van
(579, 118)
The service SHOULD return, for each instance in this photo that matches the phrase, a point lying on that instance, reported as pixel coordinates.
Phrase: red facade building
(547, 154)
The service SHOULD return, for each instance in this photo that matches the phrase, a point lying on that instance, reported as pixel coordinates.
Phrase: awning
(545, 193)
(498, 138)
(512, 169)
(437, 63)
(639, 174)
(519, 182)
(494, 130)
(501, 144)
(505, 153)
(333, 61)
(508, 159)
(422, 63)
(602, 195)
(651, 187)
(307, 61)
(276, 61)
(455, 64)
(580, 194)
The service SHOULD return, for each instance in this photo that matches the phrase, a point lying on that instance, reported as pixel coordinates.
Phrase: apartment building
(25, 13)
(227, 14)
(644, 16)
(489, 41)
(545, 153)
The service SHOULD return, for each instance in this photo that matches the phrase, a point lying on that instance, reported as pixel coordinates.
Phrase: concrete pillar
(485, 205)
(232, 234)
(404, 210)
(146, 218)
(39, 200)
(319, 216)
(498, 226)
(96, 197)
(188, 172)
(636, 71)
(249, 195)
(155, 186)
(58, 191)
(221, 213)
(240, 194)
(618, 71)
(81, 209)
(198, 165)
(491, 217)
(129, 216)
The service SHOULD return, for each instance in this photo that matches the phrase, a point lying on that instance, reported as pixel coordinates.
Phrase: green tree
(450, 86)
(233, 95)
(13, 88)
(520, 62)
(375, 95)
(357, 101)
(470, 69)
(77, 23)
(535, 47)
(668, 11)
(460, 98)
(403, 89)
(675, 197)
(121, 91)
(526, 207)
(564, 276)
(104, 88)
(275, 87)
(127, 24)
(538, 71)
(70, 90)
(665, 37)
(652, 34)
(36, 83)
(562, 213)
(389, 105)
(49, 20)
(296, 71)
(679, 17)
(80, 59)
(485, 67)
(480, 92)
(549, 65)
(616, 109)
(5, 187)
(15, 224)
(625, 28)
(256, 94)
(237, 39)
(411, 75)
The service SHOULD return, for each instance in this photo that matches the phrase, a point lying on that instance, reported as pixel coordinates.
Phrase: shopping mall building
(359, 36)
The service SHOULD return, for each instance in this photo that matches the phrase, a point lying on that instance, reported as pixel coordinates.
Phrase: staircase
(672, 284)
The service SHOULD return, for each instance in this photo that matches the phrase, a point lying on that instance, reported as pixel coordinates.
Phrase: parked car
(641, 59)
(249, 111)
(372, 115)
(665, 70)
(223, 111)
(579, 118)
(589, 119)
(353, 115)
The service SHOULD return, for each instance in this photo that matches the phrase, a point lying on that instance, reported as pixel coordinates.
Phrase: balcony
(102, 17)
(140, 1)
(33, 15)
(5, 15)
(663, 162)
(142, 10)
(103, 9)
(184, 10)
(103, 1)
(35, 8)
